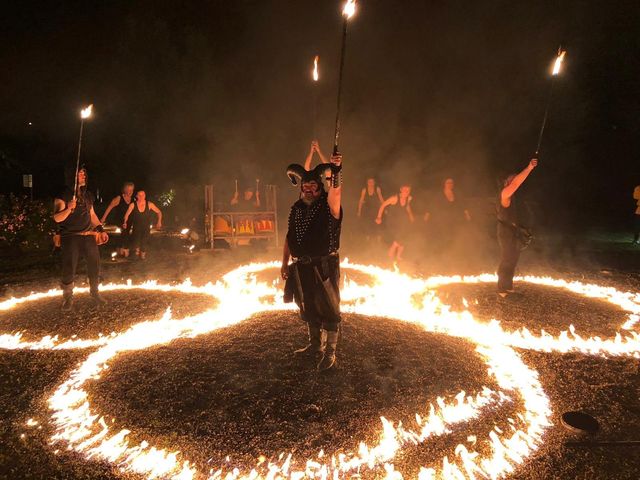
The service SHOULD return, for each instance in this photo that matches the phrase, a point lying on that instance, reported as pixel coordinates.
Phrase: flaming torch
(316, 76)
(84, 114)
(347, 12)
(554, 74)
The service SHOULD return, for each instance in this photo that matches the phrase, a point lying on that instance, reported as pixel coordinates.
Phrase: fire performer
(368, 206)
(509, 228)
(399, 217)
(120, 205)
(312, 241)
(140, 214)
(81, 232)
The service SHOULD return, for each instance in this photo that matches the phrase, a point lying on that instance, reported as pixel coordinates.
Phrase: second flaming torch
(347, 12)
(554, 74)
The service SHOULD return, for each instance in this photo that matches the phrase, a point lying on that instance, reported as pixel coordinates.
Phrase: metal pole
(342, 55)
(546, 115)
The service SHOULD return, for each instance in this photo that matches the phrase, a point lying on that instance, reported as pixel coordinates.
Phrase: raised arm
(335, 187)
(509, 190)
(323, 159)
(392, 200)
(113, 204)
(361, 201)
(307, 161)
(153, 208)
(126, 215)
(62, 210)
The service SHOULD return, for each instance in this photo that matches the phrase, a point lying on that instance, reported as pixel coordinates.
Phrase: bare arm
(307, 161)
(323, 159)
(62, 210)
(126, 215)
(114, 203)
(153, 208)
(379, 192)
(234, 199)
(509, 190)
(95, 221)
(361, 201)
(335, 192)
(392, 200)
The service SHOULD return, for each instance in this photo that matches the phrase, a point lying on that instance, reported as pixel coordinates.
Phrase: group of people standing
(134, 215)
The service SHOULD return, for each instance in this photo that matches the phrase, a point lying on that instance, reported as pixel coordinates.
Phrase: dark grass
(240, 392)
(606, 388)
(123, 309)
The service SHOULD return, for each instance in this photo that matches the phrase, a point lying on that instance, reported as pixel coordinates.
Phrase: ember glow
(86, 112)
(558, 62)
(349, 9)
(389, 294)
(315, 69)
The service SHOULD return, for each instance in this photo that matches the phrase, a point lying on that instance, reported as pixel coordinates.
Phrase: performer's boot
(329, 358)
(98, 301)
(67, 297)
(315, 346)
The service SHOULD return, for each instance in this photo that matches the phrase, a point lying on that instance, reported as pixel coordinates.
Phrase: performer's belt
(307, 260)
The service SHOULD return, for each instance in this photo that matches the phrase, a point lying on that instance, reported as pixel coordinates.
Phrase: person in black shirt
(507, 212)
(313, 240)
(73, 212)
(120, 204)
(138, 218)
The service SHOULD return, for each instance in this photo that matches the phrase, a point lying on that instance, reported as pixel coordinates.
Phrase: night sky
(188, 93)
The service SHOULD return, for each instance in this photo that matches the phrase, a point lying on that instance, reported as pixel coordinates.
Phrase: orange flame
(349, 9)
(86, 112)
(558, 63)
(315, 68)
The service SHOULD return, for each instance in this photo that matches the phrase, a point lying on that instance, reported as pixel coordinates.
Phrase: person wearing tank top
(119, 205)
(138, 217)
(398, 220)
(73, 212)
(507, 213)
(368, 205)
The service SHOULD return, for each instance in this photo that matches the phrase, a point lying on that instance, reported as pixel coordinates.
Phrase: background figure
(370, 201)
(507, 212)
(398, 220)
(138, 216)
(447, 217)
(249, 202)
(315, 148)
(120, 205)
(636, 217)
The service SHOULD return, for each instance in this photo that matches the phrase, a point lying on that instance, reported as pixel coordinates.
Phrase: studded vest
(313, 231)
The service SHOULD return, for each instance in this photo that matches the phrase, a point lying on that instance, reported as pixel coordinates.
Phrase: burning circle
(241, 296)
(392, 295)
(14, 341)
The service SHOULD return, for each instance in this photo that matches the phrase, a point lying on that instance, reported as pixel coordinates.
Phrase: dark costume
(447, 221)
(313, 239)
(369, 212)
(397, 224)
(140, 222)
(509, 243)
(78, 240)
(119, 212)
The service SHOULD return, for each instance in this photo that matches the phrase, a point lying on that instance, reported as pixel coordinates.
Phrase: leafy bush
(24, 224)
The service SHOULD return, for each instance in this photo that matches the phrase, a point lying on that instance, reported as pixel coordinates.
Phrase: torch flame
(86, 112)
(349, 9)
(315, 68)
(558, 64)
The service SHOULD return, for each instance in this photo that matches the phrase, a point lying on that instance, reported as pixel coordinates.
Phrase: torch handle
(342, 55)
(544, 119)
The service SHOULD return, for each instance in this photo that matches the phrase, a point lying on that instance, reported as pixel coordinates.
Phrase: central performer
(312, 243)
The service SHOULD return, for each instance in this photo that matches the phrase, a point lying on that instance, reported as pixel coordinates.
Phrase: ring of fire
(242, 296)
(14, 341)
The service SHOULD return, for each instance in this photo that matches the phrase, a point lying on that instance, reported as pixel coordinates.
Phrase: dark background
(188, 93)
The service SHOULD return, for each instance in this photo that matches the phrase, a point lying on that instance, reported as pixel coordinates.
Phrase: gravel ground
(240, 391)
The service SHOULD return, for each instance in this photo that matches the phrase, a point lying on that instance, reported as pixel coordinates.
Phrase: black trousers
(75, 246)
(139, 237)
(509, 256)
(313, 292)
(125, 237)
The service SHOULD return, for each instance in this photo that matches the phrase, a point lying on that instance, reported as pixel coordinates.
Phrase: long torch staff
(556, 70)
(347, 13)
(84, 113)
